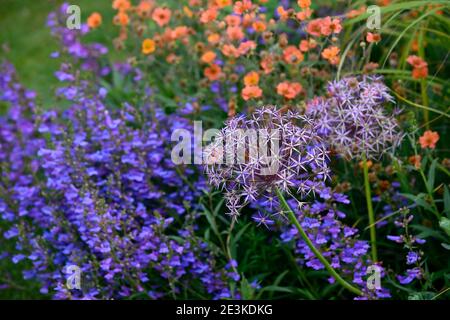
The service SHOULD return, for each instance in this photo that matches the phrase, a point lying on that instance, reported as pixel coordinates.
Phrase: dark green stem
(373, 235)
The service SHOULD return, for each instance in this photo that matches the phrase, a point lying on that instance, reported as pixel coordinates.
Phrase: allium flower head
(249, 158)
(353, 117)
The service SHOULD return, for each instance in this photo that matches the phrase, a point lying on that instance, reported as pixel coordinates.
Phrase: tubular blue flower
(99, 193)
(339, 243)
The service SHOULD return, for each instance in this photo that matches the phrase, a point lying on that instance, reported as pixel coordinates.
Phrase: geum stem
(311, 246)
(373, 234)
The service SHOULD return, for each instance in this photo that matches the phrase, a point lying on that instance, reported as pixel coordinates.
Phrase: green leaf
(246, 289)
(426, 232)
(211, 221)
(239, 234)
(425, 295)
(444, 223)
(445, 245)
(419, 200)
(446, 201)
(431, 175)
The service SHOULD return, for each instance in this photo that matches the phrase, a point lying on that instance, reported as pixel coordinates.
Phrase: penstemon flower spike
(317, 253)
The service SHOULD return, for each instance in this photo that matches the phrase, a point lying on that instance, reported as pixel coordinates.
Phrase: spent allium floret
(353, 117)
(251, 157)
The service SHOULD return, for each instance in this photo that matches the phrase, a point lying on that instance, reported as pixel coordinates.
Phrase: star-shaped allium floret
(354, 119)
(272, 149)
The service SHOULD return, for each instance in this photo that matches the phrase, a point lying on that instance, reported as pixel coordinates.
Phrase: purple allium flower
(249, 158)
(353, 117)
(263, 219)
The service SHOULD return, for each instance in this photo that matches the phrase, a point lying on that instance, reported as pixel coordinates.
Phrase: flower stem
(373, 235)
(311, 246)
(423, 81)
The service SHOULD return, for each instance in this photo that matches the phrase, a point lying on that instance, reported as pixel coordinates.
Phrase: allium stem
(311, 246)
(373, 235)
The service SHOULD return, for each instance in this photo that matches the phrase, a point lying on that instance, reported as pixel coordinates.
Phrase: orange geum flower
(144, 8)
(251, 92)
(416, 62)
(289, 90)
(267, 64)
(292, 55)
(161, 16)
(180, 32)
(235, 33)
(429, 139)
(251, 79)
(242, 6)
(213, 72)
(148, 46)
(373, 37)
(420, 67)
(415, 160)
(248, 19)
(121, 19)
(246, 46)
(223, 3)
(208, 15)
(121, 5)
(284, 14)
(355, 13)
(214, 38)
(304, 3)
(304, 14)
(419, 73)
(259, 26)
(306, 45)
(208, 57)
(314, 27)
(232, 21)
(329, 26)
(331, 54)
(94, 20)
(230, 50)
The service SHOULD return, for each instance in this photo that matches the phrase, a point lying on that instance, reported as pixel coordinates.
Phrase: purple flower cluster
(395, 204)
(353, 117)
(338, 243)
(88, 55)
(96, 189)
(411, 243)
(249, 158)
